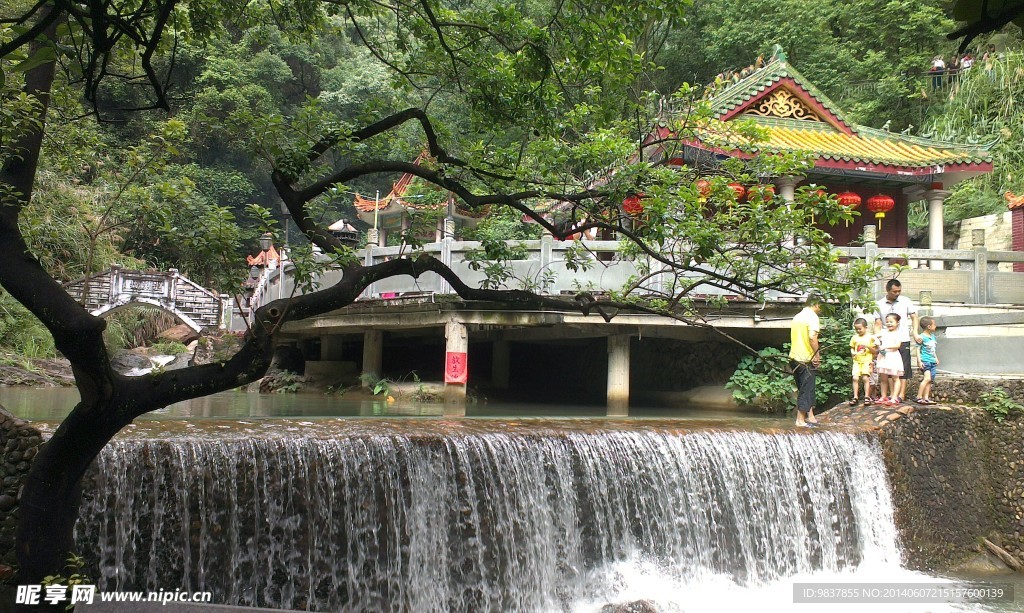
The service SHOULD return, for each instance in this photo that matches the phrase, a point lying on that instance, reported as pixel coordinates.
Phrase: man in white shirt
(893, 302)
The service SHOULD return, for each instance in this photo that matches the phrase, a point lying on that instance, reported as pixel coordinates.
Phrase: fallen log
(1004, 555)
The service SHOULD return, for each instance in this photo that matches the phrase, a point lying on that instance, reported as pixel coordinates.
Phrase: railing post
(980, 266)
(925, 303)
(172, 288)
(115, 286)
(443, 287)
(547, 243)
(871, 254)
(372, 237)
(226, 312)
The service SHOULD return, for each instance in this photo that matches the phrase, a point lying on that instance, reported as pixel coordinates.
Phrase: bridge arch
(110, 309)
(115, 289)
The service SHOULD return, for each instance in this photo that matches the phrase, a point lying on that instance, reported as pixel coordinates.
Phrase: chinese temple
(393, 212)
(876, 171)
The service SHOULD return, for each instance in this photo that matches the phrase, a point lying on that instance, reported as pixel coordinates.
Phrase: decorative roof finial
(778, 54)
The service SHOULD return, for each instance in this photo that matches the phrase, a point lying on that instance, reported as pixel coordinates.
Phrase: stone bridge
(114, 289)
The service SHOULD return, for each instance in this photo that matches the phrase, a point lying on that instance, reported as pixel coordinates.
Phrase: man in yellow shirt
(804, 358)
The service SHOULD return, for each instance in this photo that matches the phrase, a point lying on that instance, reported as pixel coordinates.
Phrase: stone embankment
(19, 441)
(957, 477)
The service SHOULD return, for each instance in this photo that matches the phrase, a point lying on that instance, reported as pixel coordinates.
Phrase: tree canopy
(518, 106)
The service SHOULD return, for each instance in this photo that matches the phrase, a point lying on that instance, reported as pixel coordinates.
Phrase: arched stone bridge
(111, 290)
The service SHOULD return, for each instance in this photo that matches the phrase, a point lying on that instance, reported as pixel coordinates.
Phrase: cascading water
(479, 515)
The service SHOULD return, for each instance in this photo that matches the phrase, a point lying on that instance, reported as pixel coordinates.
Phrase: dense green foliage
(765, 381)
(869, 55)
(165, 190)
(999, 404)
(985, 107)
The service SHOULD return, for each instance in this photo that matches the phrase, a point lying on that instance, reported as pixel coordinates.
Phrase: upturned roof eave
(862, 165)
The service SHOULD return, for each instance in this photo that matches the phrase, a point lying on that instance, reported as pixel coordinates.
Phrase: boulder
(127, 361)
(178, 334)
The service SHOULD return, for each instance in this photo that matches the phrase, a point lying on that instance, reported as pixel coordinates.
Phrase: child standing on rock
(890, 362)
(863, 347)
(929, 360)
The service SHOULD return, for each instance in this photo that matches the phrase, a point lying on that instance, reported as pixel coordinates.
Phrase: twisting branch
(986, 23)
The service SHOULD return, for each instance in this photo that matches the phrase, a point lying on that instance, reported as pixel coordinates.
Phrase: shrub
(999, 404)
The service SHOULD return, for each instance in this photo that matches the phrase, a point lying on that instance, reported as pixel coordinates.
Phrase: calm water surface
(50, 404)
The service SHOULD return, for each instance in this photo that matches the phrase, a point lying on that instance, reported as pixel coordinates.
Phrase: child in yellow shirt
(863, 347)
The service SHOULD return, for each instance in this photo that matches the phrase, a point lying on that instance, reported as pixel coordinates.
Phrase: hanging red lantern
(764, 191)
(738, 190)
(880, 204)
(633, 205)
(703, 189)
(850, 200)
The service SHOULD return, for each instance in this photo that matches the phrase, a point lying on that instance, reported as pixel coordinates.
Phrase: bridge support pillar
(373, 356)
(501, 360)
(618, 375)
(456, 368)
(331, 348)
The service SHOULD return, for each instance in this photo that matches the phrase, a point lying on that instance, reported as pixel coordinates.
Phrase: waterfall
(492, 516)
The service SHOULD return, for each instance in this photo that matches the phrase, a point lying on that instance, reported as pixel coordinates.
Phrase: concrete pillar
(373, 356)
(787, 191)
(501, 362)
(330, 347)
(935, 198)
(618, 375)
(871, 255)
(787, 187)
(456, 348)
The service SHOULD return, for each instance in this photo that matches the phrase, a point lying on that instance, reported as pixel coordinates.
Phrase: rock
(7, 502)
(179, 334)
(126, 361)
(637, 606)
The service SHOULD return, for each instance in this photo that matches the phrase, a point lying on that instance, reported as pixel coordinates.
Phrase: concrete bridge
(117, 288)
(978, 300)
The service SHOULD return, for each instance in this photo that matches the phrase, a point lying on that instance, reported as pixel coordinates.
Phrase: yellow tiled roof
(821, 127)
(867, 146)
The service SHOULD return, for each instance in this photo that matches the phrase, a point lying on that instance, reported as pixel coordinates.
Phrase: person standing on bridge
(805, 357)
(893, 302)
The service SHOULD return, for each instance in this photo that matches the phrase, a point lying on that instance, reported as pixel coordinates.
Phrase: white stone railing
(971, 276)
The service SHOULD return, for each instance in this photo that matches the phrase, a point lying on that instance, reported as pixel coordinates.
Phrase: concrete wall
(998, 234)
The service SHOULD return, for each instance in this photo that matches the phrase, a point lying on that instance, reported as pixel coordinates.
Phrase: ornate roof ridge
(761, 79)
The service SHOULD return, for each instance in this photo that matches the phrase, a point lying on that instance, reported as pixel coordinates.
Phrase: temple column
(787, 191)
(373, 357)
(618, 375)
(787, 187)
(456, 368)
(501, 362)
(936, 229)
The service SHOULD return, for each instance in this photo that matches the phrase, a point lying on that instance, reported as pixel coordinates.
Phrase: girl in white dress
(890, 363)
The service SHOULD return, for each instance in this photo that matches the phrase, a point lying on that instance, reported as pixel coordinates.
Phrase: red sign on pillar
(455, 367)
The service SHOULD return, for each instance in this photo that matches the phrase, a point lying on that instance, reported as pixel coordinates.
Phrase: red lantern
(850, 200)
(738, 190)
(633, 205)
(880, 204)
(764, 191)
(703, 188)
